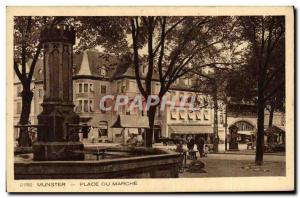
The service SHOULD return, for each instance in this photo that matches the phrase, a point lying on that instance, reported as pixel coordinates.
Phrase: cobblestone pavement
(230, 164)
(234, 165)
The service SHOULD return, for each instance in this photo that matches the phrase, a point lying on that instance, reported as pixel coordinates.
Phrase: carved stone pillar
(54, 141)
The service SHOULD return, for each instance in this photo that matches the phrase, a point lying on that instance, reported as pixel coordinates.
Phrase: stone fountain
(58, 153)
(54, 140)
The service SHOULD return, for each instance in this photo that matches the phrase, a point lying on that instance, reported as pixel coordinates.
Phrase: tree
(27, 47)
(217, 82)
(266, 36)
(172, 47)
(182, 45)
(216, 85)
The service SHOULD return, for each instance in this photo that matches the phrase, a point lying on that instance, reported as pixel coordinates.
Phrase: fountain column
(54, 141)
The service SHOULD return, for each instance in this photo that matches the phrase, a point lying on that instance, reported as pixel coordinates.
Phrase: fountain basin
(144, 163)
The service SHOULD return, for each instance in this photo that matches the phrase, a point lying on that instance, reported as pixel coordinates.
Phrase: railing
(31, 129)
(72, 129)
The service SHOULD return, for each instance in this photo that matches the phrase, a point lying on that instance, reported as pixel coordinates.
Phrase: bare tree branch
(167, 32)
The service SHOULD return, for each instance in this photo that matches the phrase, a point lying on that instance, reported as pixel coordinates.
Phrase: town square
(149, 96)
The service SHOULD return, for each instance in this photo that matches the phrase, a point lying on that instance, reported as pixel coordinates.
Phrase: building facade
(96, 74)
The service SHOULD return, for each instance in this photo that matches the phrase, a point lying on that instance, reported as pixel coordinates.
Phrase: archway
(245, 131)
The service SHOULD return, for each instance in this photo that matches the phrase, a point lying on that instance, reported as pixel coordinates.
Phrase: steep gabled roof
(90, 62)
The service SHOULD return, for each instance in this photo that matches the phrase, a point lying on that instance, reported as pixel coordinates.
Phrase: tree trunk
(27, 95)
(260, 130)
(149, 132)
(216, 135)
(271, 115)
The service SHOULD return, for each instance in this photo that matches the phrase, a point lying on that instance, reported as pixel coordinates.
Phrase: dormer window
(103, 71)
(73, 69)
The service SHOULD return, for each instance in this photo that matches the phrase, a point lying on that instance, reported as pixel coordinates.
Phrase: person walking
(190, 146)
(200, 146)
(179, 149)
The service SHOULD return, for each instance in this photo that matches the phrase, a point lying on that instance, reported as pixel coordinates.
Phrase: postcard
(150, 99)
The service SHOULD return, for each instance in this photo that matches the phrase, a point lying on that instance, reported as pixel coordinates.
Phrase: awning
(191, 129)
(131, 121)
(275, 129)
(246, 132)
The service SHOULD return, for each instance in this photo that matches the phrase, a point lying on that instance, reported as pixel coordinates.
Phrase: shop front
(127, 125)
(196, 131)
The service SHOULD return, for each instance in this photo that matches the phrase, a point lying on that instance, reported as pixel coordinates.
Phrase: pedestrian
(132, 141)
(206, 150)
(200, 146)
(190, 146)
(179, 149)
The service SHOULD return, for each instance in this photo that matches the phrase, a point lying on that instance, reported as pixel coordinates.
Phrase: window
(85, 87)
(221, 119)
(205, 115)
(119, 86)
(103, 89)
(91, 87)
(19, 91)
(103, 71)
(92, 106)
(182, 115)
(244, 126)
(85, 106)
(191, 115)
(80, 88)
(40, 93)
(19, 107)
(198, 115)
(173, 115)
(79, 109)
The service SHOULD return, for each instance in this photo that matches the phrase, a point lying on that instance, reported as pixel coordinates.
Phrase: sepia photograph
(137, 95)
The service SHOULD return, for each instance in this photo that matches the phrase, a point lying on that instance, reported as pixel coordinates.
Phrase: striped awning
(131, 121)
(191, 129)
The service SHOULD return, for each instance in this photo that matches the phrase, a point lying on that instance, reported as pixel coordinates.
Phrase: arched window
(244, 126)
